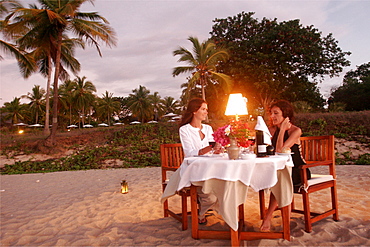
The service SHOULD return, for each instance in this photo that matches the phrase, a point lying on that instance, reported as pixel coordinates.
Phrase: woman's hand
(285, 125)
(205, 150)
(217, 149)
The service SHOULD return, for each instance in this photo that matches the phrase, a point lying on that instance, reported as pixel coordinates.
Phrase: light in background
(124, 187)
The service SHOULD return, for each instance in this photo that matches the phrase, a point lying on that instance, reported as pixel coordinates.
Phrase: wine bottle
(261, 145)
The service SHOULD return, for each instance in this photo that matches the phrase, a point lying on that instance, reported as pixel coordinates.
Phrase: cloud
(149, 31)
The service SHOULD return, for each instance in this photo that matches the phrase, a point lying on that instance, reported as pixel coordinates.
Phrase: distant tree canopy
(355, 91)
(271, 60)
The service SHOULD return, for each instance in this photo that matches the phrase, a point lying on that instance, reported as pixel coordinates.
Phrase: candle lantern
(124, 187)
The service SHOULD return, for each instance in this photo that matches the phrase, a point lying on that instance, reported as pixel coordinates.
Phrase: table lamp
(236, 105)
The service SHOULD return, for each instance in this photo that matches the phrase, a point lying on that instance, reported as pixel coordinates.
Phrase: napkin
(261, 125)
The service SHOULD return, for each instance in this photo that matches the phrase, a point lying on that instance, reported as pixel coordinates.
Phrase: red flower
(236, 129)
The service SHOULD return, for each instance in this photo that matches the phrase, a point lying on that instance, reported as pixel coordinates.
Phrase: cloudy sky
(148, 31)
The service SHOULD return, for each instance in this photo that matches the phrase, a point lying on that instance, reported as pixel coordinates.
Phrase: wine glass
(212, 144)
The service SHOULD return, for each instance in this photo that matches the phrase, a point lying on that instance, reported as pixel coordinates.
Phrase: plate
(284, 153)
(209, 155)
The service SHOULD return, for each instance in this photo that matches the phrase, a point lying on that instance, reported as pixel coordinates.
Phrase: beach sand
(86, 208)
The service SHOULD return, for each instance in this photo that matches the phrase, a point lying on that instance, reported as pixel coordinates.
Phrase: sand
(85, 208)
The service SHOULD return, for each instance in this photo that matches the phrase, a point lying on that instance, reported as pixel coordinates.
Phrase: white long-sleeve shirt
(190, 138)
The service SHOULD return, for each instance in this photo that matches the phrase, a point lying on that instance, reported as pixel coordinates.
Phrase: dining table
(229, 180)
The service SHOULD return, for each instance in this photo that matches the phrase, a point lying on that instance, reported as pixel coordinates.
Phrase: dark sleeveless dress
(296, 156)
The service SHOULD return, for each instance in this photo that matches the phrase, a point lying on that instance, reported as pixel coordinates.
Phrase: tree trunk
(202, 83)
(50, 140)
(47, 110)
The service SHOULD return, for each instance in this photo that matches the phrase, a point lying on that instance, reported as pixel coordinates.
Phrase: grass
(138, 145)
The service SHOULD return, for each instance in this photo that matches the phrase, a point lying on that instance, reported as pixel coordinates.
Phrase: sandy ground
(85, 208)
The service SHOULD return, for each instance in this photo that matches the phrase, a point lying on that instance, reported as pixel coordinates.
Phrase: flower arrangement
(236, 129)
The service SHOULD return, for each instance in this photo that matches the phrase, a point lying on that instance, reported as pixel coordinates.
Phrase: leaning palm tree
(202, 63)
(36, 99)
(83, 96)
(139, 103)
(108, 105)
(60, 18)
(41, 44)
(24, 59)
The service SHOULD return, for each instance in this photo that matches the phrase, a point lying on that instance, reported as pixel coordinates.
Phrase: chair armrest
(328, 163)
(319, 163)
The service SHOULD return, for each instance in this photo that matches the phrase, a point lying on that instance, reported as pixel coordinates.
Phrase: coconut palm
(14, 110)
(42, 49)
(36, 98)
(170, 105)
(202, 63)
(157, 104)
(66, 91)
(22, 57)
(83, 96)
(59, 18)
(139, 103)
(108, 105)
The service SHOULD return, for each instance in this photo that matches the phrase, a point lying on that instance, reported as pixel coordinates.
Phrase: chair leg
(262, 204)
(334, 201)
(184, 214)
(307, 212)
(165, 208)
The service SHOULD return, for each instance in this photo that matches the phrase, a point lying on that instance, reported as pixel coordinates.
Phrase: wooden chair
(317, 151)
(172, 156)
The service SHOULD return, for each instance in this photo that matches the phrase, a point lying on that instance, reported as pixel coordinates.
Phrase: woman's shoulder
(294, 128)
(184, 127)
(206, 126)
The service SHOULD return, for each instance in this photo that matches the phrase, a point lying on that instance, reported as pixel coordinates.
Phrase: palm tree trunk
(202, 83)
(70, 114)
(50, 140)
(47, 110)
(83, 116)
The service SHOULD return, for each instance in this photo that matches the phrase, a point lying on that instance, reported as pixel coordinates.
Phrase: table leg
(285, 215)
(194, 212)
(235, 240)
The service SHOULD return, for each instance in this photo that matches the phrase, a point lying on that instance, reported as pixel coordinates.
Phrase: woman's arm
(191, 144)
(294, 135)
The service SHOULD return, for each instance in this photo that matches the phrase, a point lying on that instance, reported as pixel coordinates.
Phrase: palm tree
(202, 64)
(66, 91)
(37, 101)
(83, 96)
(14, 110)
(22, 57)
(157, 104)
(41, 43)
(170, 105)
(108, 105)
(139, 103)
(59, 18)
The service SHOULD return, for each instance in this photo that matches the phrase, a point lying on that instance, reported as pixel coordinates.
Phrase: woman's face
(276, 115)
(202, 112)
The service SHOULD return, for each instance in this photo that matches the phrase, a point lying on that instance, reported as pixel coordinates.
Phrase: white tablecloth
(228, 179)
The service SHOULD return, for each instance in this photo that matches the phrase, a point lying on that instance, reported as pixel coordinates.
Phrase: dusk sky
(149, 31)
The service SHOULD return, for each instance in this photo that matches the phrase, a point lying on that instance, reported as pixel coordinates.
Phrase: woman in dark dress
(285, 138)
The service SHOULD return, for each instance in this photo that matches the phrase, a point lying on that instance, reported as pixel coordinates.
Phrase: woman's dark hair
(193, 106)
(285, 107)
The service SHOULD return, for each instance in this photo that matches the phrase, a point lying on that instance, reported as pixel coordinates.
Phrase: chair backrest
(318, 148)
(172, 156)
